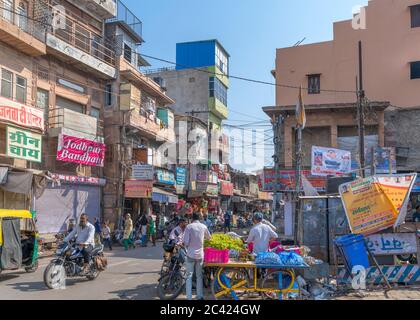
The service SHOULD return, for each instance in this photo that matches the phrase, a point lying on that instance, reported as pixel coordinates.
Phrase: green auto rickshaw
(18, 240)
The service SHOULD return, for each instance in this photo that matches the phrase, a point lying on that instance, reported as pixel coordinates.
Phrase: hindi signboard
(398, 188)
(392, 243)
(20, 114)
(22, 144)
(287, 180)
(80, 150)
(142, 172)
(330, 161)
(137, 189)
(367, 206)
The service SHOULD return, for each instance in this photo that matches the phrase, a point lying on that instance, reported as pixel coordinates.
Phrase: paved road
(130, 275)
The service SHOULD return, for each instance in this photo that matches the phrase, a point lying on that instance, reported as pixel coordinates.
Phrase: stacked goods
(224, 242)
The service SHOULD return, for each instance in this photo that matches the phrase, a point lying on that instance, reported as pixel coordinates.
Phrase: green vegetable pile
(224, 242)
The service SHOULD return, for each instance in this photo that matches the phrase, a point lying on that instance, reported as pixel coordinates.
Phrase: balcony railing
(83, 39)
(68, 119)
(129, 19)
(22, 20)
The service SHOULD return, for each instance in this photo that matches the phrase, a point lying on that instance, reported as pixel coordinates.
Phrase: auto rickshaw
(18, 240)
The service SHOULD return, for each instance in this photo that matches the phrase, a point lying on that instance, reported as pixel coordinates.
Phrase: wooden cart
(233, 280)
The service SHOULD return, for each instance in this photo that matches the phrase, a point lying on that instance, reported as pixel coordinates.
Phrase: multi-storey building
(55, 63)
(388, 31)
(138, 123)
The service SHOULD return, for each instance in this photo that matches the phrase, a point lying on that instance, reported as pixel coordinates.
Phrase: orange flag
(300, 111)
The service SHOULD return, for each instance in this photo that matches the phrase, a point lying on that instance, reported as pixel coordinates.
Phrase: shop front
(164, 197)
(66, 198)
(138, 197)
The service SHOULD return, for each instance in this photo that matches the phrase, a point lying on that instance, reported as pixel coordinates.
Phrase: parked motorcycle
(68, 263)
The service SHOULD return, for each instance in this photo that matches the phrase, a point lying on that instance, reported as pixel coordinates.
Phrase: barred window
(314, 84)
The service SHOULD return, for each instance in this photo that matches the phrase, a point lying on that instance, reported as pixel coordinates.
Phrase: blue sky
(250, 30)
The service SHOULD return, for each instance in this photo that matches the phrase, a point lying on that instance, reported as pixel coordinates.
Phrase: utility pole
(360, 113)
(277, 131)
(298, 215)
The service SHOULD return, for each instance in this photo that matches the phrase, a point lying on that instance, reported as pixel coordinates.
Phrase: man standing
(194, 237)
(261, 234)
(227, 217)
(85, 238)
(98, 231)
(416, 215)
(106, 235)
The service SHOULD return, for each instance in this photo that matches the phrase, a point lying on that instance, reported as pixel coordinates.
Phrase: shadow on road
(7, 277)
(142, 292)
(39, 286)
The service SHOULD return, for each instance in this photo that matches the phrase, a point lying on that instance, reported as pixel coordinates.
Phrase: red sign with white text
(20, 114)
(82, 151)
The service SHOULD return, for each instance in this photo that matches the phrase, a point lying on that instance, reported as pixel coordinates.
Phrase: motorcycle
(68, 263)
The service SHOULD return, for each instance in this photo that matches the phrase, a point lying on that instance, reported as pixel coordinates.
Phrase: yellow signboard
(368, 207)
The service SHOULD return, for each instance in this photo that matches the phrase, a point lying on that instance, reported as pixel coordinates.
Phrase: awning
(160, 195)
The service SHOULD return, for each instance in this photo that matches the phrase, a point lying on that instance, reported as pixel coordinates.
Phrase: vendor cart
(233, 280)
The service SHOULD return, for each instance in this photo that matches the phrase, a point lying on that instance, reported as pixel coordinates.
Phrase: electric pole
(360, 113)
(298, 215)
(277, 131)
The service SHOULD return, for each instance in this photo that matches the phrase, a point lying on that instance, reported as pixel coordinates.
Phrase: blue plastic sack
(291, 259)
(268, 258)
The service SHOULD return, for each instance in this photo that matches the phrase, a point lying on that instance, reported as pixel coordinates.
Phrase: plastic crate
(212, 255)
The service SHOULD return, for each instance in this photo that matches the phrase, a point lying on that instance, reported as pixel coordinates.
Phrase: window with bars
(42, 101)
(314, 84)
(43, 73)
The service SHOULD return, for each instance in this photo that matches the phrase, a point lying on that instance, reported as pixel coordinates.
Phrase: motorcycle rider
(85, 238)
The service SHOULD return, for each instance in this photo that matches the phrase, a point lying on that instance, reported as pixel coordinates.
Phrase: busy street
(237, 153)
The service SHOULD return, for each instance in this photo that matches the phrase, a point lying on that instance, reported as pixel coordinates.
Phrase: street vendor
(261, 234)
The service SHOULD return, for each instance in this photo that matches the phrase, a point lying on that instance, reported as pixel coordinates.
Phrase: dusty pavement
(132, 275)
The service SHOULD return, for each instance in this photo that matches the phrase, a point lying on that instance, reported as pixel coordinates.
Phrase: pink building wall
(389, 45)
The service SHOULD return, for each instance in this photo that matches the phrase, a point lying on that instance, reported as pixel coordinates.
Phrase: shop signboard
(287, 180)
(80, 150)
(398, 188)
(265, 196)
(330, 161)
(165, 176)
(22, 144)
(22, 115)
(226, 188)
(392, 243)
(78, 180)
(138, 189)
(142, 172)
(181, 179)
(367, 206)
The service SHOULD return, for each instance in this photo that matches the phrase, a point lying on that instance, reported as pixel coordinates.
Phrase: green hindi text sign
(22, 144)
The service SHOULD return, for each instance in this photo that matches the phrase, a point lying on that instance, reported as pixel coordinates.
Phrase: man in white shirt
(177, 234)
(195, 234)
(261, 234)
(85, 238)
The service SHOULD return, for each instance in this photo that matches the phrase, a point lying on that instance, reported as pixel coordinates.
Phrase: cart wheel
(281, 279)
(230, 277)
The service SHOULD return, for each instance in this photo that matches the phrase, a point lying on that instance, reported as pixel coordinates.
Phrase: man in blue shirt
(416, 215)
(98, 231)
(227, 218)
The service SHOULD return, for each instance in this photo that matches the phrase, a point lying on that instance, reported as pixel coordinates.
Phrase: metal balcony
(103, 9)
(129, 21)
(18, 30)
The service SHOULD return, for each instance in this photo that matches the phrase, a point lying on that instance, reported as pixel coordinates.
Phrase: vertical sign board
(22, 144)
(367, 206)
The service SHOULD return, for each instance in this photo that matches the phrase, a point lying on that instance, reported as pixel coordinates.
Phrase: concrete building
(54, 64)
(137, 123)
(390, 33)
(199, 85)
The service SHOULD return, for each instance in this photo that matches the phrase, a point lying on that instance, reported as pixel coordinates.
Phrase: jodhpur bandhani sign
(22, 144)
(80, 150)
(368, 208)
